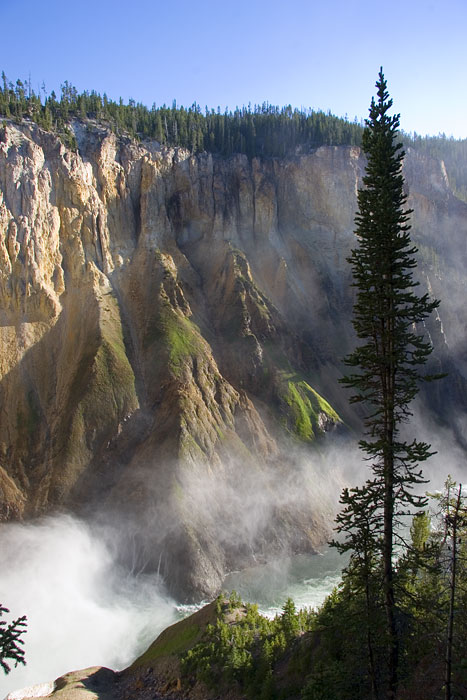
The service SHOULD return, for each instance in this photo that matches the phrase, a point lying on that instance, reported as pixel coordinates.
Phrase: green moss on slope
(177, 639)
(174, 640)
(176, 335)
(183, 340)
(113, 381)
(105, 384)
(302, 406)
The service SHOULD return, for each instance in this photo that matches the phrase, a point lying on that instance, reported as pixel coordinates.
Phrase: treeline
(259, 130)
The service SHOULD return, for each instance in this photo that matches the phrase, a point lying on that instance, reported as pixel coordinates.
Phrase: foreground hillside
(227, 650)
(172, 333)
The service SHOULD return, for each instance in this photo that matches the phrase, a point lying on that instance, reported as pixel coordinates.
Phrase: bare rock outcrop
(170, 326)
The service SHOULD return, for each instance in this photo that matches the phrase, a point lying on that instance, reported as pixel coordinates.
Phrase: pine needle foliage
(386, 367)
(240, 651)
(10, 641)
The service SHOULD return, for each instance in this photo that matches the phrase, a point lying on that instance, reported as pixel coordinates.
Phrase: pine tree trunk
(388, 534)
(389, 600)
(453, 521)
(371, 658)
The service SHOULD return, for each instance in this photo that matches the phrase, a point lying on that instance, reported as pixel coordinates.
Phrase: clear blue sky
(325, 55)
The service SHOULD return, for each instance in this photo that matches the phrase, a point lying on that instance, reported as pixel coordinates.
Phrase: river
(84, 611)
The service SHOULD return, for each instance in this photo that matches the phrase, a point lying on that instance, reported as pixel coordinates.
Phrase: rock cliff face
(172, 326)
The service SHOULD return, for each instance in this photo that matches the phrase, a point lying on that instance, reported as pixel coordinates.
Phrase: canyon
(172, 333)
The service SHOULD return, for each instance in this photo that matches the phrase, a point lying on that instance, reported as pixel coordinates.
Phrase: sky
(324, 55)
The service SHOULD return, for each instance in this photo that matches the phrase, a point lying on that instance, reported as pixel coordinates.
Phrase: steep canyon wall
(172, 329)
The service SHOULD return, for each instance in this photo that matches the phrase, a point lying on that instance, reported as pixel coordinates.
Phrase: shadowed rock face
(171, 331)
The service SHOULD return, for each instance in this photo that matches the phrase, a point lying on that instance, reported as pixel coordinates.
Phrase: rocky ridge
(171, 337)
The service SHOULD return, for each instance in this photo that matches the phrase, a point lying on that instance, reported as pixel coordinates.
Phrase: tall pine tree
(386, 366)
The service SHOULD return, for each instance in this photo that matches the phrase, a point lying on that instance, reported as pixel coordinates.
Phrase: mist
(448, 456)
(83, 609)
(85, 586)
